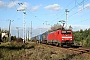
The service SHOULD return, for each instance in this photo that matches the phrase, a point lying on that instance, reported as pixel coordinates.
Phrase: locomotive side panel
(61, 37)
(50, 38)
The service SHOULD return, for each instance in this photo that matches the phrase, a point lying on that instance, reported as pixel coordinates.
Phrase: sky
(43, 14)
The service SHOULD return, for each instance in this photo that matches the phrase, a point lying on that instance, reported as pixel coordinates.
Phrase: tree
(70, 27)
(13, 38)
(88, 41)
(4, 39)
(55, 27)
(82, 37)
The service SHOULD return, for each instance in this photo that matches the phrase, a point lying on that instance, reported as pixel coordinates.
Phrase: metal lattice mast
(28, 34)
(18, 30)
(31, 31)
(24, 22)
(10, 29)
(66, 17)
(24, 27)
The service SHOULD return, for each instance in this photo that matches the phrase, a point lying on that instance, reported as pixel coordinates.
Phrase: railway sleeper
(83, 51)
(87, 50)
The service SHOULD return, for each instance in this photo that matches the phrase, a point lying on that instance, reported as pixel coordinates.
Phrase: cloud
(23, 6)
(34, 8)
(11, 4)
(2, 4)
(78, 27)
(85, 7)
(54, 7)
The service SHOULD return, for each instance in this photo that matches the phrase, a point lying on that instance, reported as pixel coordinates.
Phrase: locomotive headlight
(70, 39)
(62, 39)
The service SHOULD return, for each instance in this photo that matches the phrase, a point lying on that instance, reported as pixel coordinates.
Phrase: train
(58, 38)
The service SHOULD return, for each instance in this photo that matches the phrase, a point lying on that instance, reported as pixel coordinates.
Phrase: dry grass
(13, 50)
(33, 51)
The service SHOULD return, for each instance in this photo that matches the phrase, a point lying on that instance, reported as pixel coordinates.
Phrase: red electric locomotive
(60, 37)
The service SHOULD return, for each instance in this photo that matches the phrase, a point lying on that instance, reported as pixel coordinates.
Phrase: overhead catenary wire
(35, 16)
(56, 18)
(82, 16)
(2, 20)
(82, 21)
(76, 5)
(73, 7)
(14, 3)
(63, 13)
(15, 8)
(80, 10)
(29, 12)
(82, 2)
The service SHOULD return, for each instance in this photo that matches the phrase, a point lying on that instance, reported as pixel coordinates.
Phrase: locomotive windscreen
(66, 32)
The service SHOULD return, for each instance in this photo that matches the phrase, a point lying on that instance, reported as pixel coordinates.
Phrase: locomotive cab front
(67, 37)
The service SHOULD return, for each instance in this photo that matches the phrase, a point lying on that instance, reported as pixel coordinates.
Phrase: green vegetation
(82, 37)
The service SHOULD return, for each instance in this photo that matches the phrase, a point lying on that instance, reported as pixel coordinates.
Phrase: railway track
(80, 50)
(75, 49)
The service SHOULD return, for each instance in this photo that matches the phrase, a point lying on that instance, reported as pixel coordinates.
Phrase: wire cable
(35, 16)
(63, 13)
(83, 21)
